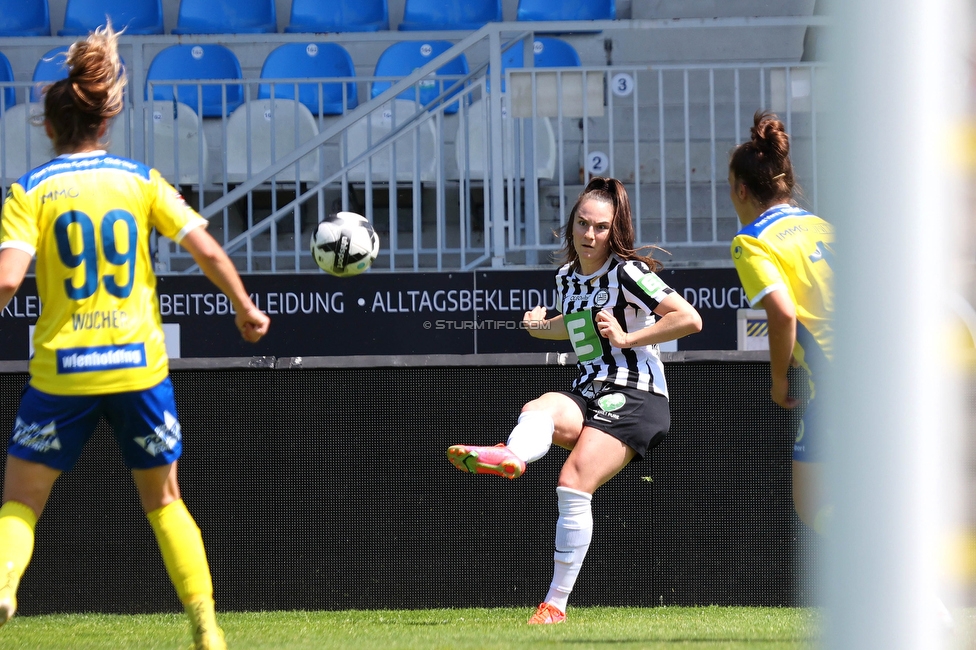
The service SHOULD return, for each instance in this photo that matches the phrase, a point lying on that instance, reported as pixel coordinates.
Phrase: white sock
(574, 530)
(532, 436)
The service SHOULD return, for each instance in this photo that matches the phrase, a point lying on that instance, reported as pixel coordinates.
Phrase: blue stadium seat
(134, 16)
(312, 60)
(566, 10)
(548, 53)
(197, 63)
(437, 14)
(24, 18)
(402, 58)
(7, 74)
(226, 17)
(318, 17)
(50, 67)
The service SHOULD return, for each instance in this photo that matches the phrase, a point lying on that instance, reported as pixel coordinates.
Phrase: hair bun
(769, 134)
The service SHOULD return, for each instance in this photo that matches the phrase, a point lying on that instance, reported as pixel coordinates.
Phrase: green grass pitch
(588, 628)
(701, 628)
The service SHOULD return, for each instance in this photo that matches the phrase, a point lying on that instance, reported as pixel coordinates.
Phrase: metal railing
(470, 178)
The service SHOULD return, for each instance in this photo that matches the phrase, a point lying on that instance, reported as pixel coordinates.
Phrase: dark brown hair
(607, 190)
(763, 163)
(92, 92)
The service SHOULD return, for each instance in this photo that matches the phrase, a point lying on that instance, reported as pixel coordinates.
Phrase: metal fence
(452, 175)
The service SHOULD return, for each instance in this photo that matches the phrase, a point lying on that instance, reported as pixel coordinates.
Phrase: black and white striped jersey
(631, 292)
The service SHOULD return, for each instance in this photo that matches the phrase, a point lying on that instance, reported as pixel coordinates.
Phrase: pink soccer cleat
(546, 614)
(497, 460)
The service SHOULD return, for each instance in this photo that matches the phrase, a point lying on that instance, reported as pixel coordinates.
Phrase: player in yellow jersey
(783, 255)
(99, 348)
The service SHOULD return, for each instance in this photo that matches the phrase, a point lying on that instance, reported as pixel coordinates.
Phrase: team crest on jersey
(601, 297)
(611, 402)
(165, 437)
(34, 436)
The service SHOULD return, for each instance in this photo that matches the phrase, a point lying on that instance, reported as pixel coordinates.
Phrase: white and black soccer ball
(345, 244)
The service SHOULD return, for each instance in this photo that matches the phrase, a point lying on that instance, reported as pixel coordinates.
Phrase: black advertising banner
(320, 315)
(16, 320)
(511, 294)
(474, 312)
(717, 295)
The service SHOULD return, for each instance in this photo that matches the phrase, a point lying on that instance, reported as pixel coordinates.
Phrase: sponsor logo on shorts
(165, 437)
(611, 401)
(34, 436)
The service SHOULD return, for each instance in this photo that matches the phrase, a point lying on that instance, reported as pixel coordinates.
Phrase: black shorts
(637, 418)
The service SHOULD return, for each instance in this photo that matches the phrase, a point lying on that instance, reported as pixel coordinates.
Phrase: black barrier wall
(328, 488)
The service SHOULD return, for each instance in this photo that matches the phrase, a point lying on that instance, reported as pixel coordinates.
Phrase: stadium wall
(325, 487)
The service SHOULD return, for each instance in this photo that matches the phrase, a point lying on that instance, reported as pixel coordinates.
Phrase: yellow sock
(183, 553)
(17, 523)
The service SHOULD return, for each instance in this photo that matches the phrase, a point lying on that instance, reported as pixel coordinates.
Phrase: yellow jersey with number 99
(787, 248)
(87, 218)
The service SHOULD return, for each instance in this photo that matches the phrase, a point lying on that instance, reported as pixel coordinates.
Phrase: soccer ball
(345, 244)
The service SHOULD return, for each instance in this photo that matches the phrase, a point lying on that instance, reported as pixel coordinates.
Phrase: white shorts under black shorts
(637, 418)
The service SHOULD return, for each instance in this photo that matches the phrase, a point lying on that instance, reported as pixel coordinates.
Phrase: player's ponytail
(92, 92)
(763, 163)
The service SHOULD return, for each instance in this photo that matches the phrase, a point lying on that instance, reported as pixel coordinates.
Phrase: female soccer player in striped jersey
(615, 312)
(783, 256)
(87, 217)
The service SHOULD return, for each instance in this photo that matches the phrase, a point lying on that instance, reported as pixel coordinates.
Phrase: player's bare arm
(540, 327)
(13, 267)
(207, 253)
(781, 317)
(676, 318)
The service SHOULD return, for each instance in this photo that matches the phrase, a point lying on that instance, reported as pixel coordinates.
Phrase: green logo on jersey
(583, 336)
(651, 284)
(611, 402)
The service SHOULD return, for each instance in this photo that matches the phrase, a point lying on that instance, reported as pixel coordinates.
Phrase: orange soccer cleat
(546, 614)
(497, 460)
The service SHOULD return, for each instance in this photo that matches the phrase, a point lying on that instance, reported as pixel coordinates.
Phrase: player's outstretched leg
(497, 460)
(17, 523)
(546, 614)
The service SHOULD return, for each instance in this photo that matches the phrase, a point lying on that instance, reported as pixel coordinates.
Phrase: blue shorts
(53, 429)
(808, 445)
